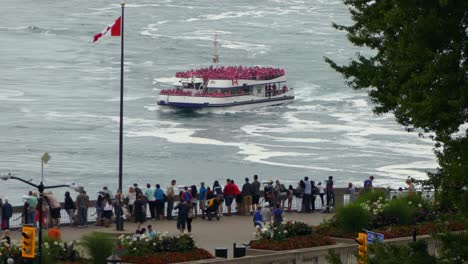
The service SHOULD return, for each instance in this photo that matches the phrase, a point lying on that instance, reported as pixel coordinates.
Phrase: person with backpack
(218, 193)
(298, 193)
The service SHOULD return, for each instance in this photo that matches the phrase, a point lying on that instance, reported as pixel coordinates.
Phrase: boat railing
(176, 92)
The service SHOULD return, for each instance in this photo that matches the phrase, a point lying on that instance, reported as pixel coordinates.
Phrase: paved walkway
(208, 234)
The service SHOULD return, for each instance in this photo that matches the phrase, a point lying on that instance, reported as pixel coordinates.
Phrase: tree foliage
(417, 69)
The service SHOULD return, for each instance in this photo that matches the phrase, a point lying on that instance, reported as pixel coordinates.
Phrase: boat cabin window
(191, 85)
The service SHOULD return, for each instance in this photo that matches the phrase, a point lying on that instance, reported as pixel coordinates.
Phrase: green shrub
(297, 228)
(352, 218)
(99, 246)
(413, 253)
(371, 196)
(398, 212)
(333, 258)
(454, 248)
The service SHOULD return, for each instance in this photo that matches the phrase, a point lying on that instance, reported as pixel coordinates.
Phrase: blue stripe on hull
(207, 105)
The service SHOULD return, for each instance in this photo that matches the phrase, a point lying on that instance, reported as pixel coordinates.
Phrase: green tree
(417, 69)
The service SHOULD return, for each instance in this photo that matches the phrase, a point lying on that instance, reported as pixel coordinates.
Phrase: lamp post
(41, 189)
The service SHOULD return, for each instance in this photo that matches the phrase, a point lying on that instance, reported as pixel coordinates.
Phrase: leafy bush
(393, 254)
(352, 218)
(454, 248)
(297, 228)
(398, 212)
(99, 246)
(333, 258)
(370, 196)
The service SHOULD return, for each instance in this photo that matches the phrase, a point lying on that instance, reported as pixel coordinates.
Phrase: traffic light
(28, 242)
(362, 247)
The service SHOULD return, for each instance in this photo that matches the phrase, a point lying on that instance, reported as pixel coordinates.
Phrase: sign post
(373, 237)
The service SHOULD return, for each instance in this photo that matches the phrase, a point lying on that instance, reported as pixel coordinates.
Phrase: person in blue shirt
(277, 215)
(159, 196)
(202, 197)
(150, 233)
(258, 218)
(368, 184)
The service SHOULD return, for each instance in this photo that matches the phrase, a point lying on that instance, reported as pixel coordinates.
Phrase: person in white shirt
(307, 194)
(170, 199)
(149, 193)
(321, 192)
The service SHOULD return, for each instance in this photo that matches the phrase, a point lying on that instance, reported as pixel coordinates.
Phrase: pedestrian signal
(28, 242)
(362, 248)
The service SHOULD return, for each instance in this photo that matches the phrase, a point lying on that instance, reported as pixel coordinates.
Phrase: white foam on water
(261, 131)
(151, 108)
(261, 48)
(402, 171)
(126, 98)
(315, 126)
(166, 80)
(13, 95)
(211, 32)
(359, 103)
(258, 154)
(150, 30)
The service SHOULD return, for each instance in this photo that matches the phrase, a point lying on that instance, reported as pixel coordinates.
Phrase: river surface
(59, 93)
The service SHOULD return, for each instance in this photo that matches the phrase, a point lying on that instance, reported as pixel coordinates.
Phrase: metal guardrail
(16, 221)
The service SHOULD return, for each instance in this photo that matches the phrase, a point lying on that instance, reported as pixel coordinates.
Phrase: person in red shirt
(237, 195)
(228, 192)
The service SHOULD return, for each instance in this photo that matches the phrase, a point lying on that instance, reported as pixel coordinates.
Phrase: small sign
(374, 237)
(45, 158)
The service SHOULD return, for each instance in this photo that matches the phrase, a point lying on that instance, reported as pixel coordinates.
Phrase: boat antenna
(216, 45)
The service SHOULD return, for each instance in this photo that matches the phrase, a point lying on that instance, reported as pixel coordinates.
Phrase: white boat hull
(234, 103)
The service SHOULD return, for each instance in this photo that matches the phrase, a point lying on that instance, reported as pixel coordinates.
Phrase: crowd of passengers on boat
(233, 73)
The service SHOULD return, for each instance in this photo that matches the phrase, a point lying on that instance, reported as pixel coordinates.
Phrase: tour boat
(231, 87)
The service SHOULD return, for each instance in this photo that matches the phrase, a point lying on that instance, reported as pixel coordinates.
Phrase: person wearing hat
(266, 214)
(247, 193)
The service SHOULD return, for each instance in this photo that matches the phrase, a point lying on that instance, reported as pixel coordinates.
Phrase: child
(277, 215)
(258, 219)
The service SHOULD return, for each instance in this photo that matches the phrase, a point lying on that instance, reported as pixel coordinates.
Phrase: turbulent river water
(59, 93)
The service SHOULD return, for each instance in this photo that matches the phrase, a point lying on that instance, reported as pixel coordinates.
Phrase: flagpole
(119, 222)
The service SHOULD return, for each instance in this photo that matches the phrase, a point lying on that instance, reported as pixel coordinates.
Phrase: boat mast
(215, 53)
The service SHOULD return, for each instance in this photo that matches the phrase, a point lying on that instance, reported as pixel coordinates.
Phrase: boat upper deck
(233, 73)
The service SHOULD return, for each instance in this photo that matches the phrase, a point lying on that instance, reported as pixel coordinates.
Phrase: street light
(41, 189)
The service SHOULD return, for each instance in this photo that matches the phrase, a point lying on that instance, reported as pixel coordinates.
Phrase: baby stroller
(212, 209)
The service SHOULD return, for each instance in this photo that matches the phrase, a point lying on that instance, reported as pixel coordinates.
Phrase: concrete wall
(346, 252)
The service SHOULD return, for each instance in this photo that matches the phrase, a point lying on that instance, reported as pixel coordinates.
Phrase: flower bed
(10, 251)
(287, 236)
(292, 243)
(169, 257)
(160, 249)
(398, 231)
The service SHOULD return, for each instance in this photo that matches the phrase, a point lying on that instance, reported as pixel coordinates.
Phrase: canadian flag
(115, 30)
